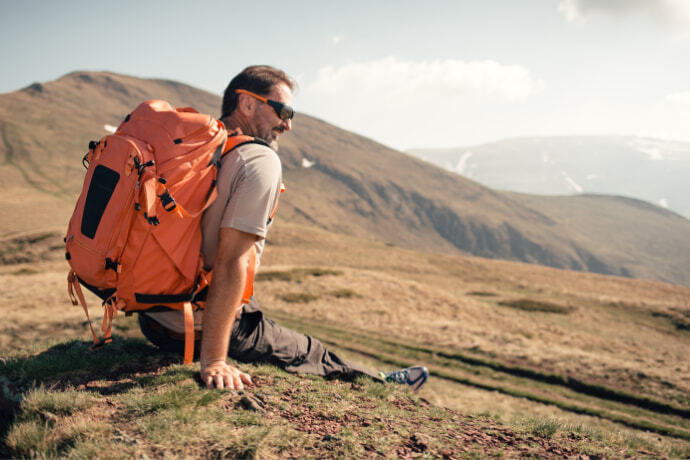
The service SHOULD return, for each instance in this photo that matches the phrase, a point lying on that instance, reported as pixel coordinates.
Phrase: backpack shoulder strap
(236, 139)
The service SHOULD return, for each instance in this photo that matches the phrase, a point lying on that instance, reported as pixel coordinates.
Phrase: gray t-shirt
(249, 184)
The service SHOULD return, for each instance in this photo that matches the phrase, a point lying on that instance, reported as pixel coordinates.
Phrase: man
(255, 103)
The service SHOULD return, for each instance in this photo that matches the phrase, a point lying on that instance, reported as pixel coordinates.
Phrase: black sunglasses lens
(284, 111)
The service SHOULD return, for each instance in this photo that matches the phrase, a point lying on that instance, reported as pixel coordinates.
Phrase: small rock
(420, 441)
(250, 403)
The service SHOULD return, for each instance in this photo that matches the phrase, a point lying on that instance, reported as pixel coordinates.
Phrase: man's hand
(222, 304)
(222, 375)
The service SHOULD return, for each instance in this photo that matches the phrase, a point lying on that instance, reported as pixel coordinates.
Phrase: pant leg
(255, 338)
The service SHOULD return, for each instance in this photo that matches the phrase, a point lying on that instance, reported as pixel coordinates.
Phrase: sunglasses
(284, 111)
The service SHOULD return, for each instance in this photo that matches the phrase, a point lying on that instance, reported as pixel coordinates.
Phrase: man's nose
(286, 124)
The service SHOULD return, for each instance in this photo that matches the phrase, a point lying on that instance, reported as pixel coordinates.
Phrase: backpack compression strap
(234, 140)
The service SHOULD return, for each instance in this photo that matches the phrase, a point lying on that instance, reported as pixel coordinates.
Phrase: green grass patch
(482, 293)
(71, 359)
(537, 305)
(298, 297)
(295, 275)
(39, 401)
(539, 426)
(25, 271)
(344, 293)
(679, 318)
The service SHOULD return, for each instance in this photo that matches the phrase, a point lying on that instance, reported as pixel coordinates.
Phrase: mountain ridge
(351, 185)
(650, 169)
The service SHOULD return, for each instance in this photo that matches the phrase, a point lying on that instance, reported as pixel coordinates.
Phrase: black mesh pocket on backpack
(101, 188)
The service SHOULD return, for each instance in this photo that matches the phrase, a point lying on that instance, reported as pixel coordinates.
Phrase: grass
(537, 305)
(295, 275)
(165, 413)
(155, 407)
(606, 372)
(482, 294)
(298, 297)
(561, 391)
(344, 293)
(25, 271)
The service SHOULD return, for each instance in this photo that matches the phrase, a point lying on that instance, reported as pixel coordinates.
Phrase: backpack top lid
(168, 130)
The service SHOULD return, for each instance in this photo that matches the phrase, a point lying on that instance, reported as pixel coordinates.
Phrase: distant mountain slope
(338, 181)
(649, 169)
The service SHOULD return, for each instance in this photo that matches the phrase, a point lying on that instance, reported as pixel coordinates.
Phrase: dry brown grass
(616, 332)
(620, 332)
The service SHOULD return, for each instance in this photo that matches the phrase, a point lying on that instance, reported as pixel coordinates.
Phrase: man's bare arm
(222, 303)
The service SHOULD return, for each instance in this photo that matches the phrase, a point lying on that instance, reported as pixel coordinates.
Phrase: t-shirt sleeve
(255, 194)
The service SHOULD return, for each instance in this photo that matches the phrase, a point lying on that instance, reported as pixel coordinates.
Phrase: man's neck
(233, 123)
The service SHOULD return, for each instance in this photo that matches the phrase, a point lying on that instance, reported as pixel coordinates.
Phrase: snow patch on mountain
(657, 149)
(307, 164)
(461, 167)
(574, 185)
(663, 203)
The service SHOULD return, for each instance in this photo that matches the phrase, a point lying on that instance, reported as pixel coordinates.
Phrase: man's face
(266, 123)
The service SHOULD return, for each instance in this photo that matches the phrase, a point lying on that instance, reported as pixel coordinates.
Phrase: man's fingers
(246, 379)
(226, 377)
(237, 381)
(218, 379)
(230, 383)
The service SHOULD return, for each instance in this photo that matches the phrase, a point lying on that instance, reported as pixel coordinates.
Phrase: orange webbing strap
(251, 268)
(188, 333)
(148, 190)
(112, 305)
(72, 287)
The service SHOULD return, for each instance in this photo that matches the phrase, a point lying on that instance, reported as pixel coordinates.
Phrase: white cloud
(679, 98)
(405, 103)
(664, 11)
(335, 39)
(404, 82)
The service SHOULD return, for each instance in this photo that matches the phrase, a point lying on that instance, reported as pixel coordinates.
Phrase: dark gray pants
(255, 338)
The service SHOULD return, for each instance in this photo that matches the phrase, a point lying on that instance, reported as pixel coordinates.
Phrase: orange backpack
(134, 238)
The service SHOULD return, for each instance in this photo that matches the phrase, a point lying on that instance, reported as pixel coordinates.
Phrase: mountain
(649, 169)
(340, 182)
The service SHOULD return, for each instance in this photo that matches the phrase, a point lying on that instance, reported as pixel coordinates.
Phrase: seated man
(255, 103)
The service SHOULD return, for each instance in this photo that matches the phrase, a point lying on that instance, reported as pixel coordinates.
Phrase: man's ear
(246, 104)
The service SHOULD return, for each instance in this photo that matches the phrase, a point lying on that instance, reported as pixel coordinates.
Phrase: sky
(408, 74)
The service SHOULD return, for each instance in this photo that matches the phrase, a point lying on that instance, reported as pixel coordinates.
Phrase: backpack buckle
(113, 265)
(167, 201)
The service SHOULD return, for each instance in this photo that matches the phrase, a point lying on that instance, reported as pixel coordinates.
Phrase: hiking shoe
(414, 377)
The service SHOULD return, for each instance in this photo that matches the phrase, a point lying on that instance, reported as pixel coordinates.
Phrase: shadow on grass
(73, 364)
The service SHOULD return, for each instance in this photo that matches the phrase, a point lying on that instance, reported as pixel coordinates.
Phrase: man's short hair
(259, 79)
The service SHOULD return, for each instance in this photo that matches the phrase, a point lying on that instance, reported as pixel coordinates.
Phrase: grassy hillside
(354, 186)
(526, 361)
